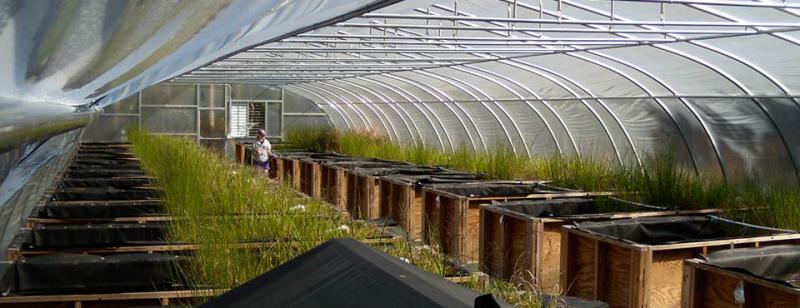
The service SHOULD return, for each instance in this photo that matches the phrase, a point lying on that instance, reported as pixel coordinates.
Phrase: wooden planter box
(364, 190)
(521, 240)
(643, 267)
(311, 167)
(310, 178)
(451, 215)
(334, 185)
(711, 283)
(401, 197)
(287, 167)
(125, 299)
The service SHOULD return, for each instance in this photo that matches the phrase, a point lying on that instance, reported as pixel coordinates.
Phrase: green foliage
(660, 179)
(221, 205)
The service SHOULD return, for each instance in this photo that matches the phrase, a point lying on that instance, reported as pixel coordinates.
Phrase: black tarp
(104, 156)
(79, 273)
(497, 189)
(367, 164)
(572, 208)
(780, 264)
(95, 235)
(83, 173)
(102, 182)
(104, 193)
(674, 229)
(133, 208)
(444, 177)
(397, 169)
(87, 163)
(347, 273)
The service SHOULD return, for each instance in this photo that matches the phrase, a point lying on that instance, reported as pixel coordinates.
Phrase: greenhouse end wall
(203, 112)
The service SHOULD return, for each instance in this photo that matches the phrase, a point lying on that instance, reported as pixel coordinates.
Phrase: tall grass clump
(246, 225)
(223, 206)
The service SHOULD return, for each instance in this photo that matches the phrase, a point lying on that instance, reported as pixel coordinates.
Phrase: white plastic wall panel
(589, 134)
(403, 103)
(599, 81)
(743, 73)
(637, 75)
(748, 141)
(373, 117)
(681, 74)
(703, 144)
(777, 57)
(396, 120)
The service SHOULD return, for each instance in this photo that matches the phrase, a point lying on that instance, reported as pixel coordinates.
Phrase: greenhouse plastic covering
(714, 83)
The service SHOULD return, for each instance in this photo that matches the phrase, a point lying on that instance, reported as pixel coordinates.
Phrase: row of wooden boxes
(589, 245)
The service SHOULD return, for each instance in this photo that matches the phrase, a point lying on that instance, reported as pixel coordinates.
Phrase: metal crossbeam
(584, 22)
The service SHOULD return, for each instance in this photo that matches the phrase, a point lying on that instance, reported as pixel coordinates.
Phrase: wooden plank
(109, 296)
(666, 276)
(714, 287)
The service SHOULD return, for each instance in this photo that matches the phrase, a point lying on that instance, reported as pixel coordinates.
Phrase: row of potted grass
(660, 180)
(205, 189)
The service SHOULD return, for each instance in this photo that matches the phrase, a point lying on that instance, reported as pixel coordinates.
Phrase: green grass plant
(659, 180)
(222, 204)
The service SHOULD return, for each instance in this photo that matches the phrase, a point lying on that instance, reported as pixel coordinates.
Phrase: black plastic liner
(573, 208)
(444, 177)
(84, 173)
(351, 165)
(347, 273)
(780, 264)
(104, 193)
(497, 189)
(94, 162)
(674, 229)
(79, 273)
(105, 156)
(82, 211)
(103, 182)
(95, 235)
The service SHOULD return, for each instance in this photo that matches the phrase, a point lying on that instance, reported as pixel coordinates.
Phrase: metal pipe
(476, 38)
(25, 122)
(567, 30)
(584, 22)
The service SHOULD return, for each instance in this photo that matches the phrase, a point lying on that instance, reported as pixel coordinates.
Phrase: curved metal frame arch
(503, 109)
(527, 102)
(390, 129)
(730, 78)
(411, 97)
(533, 70)
(346, 102)
(345, 118)
(599, 101)
(348, 119)
(492, 112)
(657, 100)
(444, 103)
(758, 70)
(695, 113)
(475, 97)
(720, 72)
(412, 133)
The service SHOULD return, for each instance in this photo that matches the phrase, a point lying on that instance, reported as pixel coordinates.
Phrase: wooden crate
(452, 220)
(362, 196)
(276, 168)
(311, 177)
(711, 286)
(239, 153)
(334, 185)
(402, 200)
(626, 274)
(524, 248)
(126, 299)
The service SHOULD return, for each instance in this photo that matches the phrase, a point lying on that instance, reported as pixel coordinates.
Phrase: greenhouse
(368, 153)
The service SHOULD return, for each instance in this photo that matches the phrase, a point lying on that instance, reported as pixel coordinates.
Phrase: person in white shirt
(262, 150)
